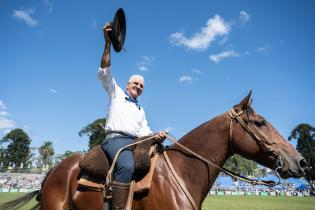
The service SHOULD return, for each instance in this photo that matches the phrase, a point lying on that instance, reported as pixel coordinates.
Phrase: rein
(234, 115)
(224, 170)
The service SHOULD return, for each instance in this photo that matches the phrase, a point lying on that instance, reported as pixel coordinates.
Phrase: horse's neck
(209, 140)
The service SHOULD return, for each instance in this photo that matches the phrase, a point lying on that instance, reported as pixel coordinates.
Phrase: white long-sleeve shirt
(123, 115)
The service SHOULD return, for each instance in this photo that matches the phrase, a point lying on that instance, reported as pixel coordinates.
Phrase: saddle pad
(95, 163)
(142, 186)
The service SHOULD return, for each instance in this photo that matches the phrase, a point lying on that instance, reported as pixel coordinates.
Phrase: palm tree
(46, 152)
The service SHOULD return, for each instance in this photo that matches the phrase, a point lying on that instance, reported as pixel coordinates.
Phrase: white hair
(135, 76)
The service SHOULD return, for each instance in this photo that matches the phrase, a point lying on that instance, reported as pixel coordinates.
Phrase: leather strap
(90, 185)
(226, 171)
(180, 181)
(262, 142)
(130, 195)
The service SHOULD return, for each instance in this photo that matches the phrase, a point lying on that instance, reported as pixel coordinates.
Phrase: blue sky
(199, 58)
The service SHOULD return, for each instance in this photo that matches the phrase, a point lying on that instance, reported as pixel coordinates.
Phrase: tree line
(16, 152)
(15, 149)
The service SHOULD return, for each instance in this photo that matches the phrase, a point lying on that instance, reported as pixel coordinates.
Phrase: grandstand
(20, 182)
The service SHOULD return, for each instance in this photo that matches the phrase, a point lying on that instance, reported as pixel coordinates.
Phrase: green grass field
(4, 197)
(229, 202)
(258, 203)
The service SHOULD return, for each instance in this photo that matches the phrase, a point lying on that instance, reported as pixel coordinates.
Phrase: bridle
(263, 143)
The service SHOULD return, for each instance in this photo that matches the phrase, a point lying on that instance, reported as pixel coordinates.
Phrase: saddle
(95, 166)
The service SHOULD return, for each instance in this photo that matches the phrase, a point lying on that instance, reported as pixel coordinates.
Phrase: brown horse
(215, 140)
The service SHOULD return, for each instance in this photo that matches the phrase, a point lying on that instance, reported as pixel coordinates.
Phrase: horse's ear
(246, 102)
(250, 102)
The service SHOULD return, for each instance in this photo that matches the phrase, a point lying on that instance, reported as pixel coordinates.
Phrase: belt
(117, 134)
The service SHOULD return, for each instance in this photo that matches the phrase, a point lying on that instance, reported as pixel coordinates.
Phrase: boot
(120, 192)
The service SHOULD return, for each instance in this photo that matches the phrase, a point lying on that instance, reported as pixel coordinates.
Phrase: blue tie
(130, 99)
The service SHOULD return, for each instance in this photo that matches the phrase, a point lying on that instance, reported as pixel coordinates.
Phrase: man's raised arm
(105, 61)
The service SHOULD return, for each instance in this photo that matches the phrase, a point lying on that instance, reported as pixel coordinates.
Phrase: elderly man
(125, 121)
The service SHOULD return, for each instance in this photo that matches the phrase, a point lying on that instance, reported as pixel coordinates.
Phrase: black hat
(118, 32)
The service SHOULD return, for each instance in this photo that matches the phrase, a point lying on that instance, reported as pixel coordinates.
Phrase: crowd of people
(20, 181)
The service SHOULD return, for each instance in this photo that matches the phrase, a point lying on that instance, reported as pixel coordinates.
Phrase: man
(125, 121)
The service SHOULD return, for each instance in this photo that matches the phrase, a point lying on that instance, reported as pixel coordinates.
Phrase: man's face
(135, 87)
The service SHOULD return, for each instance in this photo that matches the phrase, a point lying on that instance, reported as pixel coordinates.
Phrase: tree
(305, 136)
(242, 166)
(61, 157)
(46, 152)
(18, 148)
(95, 131)
(2, 156)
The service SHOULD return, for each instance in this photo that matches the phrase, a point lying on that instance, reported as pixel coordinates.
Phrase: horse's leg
(60, 185)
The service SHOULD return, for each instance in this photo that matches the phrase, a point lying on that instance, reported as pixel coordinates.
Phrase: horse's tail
(19, 202)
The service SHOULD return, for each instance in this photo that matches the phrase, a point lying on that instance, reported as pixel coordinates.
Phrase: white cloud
(223, 40)
(215, 27)
(6, 123)
(6, 131)
(25, 15)
(263, 49)
(147, 59)
(197, 71)
(2, 105)
(145, 64)
(244, 17)
(225, 54)
(186, 79)
(143, 68)
(53, 91)
(189, 79)
(4, 113)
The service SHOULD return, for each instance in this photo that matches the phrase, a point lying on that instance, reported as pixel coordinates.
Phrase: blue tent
(302, 187)
(224, 182)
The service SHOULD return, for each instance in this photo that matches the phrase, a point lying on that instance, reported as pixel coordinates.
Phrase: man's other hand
(160, 136)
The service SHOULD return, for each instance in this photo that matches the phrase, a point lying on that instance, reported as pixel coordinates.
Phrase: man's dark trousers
(124, 166)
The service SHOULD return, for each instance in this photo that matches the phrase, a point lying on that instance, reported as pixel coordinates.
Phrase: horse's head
(253, 137)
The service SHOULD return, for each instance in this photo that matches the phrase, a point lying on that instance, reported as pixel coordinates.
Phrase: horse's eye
(260, 122)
